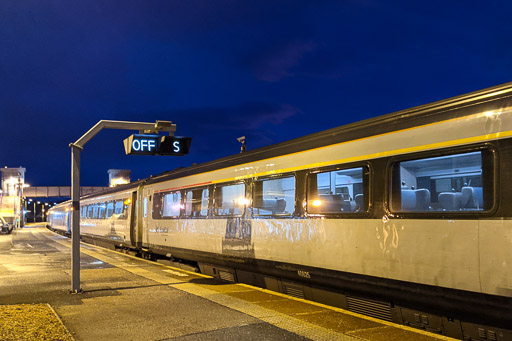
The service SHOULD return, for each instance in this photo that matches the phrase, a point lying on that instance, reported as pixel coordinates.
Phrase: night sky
(269, 70)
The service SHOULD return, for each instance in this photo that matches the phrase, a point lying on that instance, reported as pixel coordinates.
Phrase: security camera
(243, 147)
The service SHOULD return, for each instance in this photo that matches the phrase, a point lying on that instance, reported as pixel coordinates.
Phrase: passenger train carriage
(405, 217)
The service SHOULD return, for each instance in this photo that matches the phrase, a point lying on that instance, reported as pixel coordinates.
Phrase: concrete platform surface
(128, 298)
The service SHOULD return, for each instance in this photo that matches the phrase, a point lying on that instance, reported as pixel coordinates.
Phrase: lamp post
(39, 203)
(23, 208)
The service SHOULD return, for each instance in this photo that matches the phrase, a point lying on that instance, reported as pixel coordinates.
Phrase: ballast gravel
(31, 322)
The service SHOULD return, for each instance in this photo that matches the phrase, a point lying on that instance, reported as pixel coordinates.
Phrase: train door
(68, 221)
(135, 231)
(146, 210)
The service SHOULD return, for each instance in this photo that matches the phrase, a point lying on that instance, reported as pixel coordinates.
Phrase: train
(405, 217)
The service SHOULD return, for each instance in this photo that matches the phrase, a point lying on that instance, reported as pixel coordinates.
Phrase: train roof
(458, 106)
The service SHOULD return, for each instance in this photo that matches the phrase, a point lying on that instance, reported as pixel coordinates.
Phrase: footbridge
(57, 191)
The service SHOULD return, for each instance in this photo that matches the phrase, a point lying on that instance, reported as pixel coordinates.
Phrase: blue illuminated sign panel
(145, 144)
(141, 144)
(174, 145)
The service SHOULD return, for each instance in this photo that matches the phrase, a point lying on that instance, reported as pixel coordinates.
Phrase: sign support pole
(76, 149)
(75, 218)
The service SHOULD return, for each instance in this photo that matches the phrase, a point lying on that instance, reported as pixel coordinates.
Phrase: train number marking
(304, 274)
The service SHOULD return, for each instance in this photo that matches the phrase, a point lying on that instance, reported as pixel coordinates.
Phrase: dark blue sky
(269, 70)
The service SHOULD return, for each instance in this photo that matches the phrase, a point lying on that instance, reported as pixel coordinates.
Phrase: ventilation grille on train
(370, 308)
(226, 276)
(293, 291)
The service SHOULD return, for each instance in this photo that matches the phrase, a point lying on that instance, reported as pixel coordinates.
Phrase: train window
(157, 205)
(230, 200)
(110, 209)
(196, 202)
(102, 208)
(126, 206)
(145, 207)
(340, 191)
(89, 211)
(83, 212)
(95, 211)
(172, 205)
(119, 209)
(461, 182)
(274, 196)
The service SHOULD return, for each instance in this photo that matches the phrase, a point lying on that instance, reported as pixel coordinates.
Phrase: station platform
(128, 298)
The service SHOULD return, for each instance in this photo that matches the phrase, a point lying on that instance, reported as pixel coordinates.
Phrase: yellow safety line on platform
(280, 320)
(351, 313)
(273, 317)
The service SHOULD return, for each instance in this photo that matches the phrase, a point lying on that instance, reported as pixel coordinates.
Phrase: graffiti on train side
(237, 240)
(388, 235)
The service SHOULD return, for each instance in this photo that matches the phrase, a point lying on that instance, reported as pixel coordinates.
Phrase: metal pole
(75, 218)
(76, 149)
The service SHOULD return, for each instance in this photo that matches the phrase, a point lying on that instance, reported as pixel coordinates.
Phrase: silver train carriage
(405, 217)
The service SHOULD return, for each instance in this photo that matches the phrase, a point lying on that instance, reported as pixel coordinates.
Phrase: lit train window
(172, 205)
(110, 209)
(459, 182)
(102, 209)
(340, 191)
(119, 209)
(274, 196)
(95, 211)
(89, 211)
(230, 200)
(204, 203)
(196, 202)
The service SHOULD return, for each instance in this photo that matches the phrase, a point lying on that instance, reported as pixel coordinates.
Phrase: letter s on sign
(176, 145)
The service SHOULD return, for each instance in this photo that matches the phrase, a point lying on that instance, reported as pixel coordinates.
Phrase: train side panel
(107, 217)
(59, 218)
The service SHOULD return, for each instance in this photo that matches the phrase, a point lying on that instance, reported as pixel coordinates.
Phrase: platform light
(128, 201)
(316, 203)
(12, 180)
(119, 181)
(177, 207)
(492, 113)
(243, 201)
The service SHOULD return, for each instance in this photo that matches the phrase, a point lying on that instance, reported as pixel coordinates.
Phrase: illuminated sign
(144, 144)
(141, 144)
(174, 145)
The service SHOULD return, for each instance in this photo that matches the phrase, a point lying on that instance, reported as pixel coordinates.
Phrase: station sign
(174, 145)
(146, 144)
